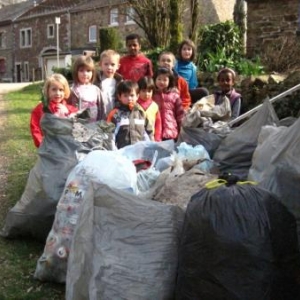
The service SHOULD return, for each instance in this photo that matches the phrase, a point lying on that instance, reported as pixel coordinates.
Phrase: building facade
(38, 35)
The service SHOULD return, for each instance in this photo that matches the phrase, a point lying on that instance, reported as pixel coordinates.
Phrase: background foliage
(222, 45)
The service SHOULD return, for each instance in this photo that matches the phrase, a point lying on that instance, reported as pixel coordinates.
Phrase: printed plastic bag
(98, 166)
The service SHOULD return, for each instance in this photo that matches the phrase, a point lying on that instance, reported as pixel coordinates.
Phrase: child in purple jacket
(226, 79)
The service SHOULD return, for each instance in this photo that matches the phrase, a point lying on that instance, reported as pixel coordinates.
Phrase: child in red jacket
(135, 64)
(56, 90)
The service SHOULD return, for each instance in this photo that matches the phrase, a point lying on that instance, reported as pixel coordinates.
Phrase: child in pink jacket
(169, 102)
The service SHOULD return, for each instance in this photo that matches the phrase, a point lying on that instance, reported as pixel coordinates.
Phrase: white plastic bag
(111, 168)
(147, 178)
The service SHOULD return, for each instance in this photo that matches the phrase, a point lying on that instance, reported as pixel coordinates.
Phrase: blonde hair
(167, 53)
(109, 53)
(83, 61)
(54, 78)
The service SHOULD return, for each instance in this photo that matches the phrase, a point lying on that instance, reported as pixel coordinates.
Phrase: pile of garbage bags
(213, 216)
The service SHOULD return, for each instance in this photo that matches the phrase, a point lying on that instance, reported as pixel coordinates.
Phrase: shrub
(153, 55)
(109, 39)
(282, 55)
(221, 45)
(249, 67)
(67, 72)
(222, 40)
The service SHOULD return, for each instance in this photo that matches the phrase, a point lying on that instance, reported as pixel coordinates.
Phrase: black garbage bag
(238, 243)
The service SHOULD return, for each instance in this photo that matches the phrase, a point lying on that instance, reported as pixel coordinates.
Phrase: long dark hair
(166, 71)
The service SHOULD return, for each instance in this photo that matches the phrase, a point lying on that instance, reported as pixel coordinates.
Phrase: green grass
(18, 257)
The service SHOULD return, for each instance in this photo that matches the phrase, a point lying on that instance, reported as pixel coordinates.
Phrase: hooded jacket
(132, 126)
(171, 111)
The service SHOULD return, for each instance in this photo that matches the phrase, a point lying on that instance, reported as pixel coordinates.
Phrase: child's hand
(62, 110)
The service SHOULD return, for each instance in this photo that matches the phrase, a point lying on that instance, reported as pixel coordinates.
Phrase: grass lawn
(18, 257)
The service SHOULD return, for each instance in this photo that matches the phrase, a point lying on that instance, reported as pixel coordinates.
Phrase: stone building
(87, 19)
(8, 15)
(37, 35)
(271, 22)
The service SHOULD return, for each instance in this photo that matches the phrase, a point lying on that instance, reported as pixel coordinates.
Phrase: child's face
(133, 47)
(109, 66)
(128, 98)
(162, 81)
(84, 75)
(56, 92)
(146, 94)
(166, 61)
(226, 82)
(186, 52)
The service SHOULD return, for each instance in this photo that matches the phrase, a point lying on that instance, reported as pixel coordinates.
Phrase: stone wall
(269, 21)
(255, 89)
(6, 53)
(211, 12)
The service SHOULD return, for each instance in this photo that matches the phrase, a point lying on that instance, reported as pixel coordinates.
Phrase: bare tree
(194, 5)
(176, 24)
(159, 19)
(239, 17)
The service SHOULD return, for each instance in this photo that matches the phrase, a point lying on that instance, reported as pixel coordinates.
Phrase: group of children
(143, 105)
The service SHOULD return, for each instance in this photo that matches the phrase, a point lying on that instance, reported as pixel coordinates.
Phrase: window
(2, 65)
(50, 31)
(2, 44)
(114, 17)
(25, 38)
(93, 34)
(129, 15)
(26, 71)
